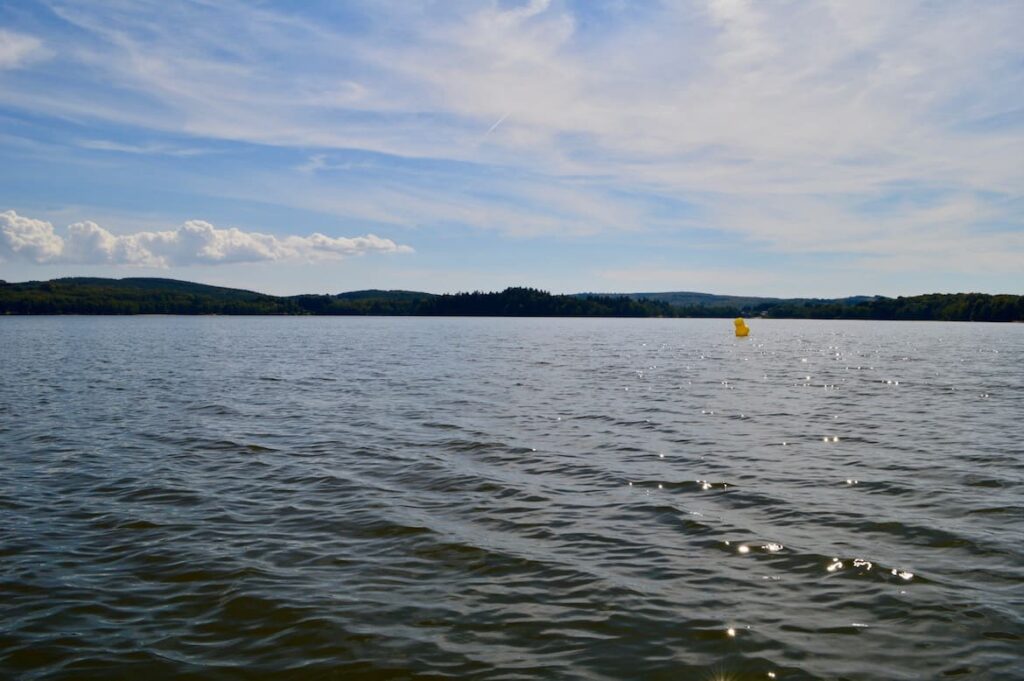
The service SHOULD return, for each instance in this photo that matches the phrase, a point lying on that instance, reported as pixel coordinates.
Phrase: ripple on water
(509, 499)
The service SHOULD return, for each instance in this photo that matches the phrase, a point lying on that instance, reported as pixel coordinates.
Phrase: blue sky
(777, 148)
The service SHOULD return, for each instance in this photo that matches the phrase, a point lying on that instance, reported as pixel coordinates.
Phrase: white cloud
(959, 233)
(160, 149)
(800, 127)
(724, 96)
(194, 243)
(27, 238)
(18, 49)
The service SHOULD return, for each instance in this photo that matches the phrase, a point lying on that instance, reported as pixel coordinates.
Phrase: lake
(431, 498)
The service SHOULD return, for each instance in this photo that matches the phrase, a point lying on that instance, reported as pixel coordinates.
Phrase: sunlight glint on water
(510, 498)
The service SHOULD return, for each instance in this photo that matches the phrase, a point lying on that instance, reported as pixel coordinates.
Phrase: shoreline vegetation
(133, 296)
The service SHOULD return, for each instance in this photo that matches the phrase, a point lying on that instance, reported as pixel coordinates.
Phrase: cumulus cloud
(17, 49)
(846, 128)
(194, 243)
(27, 238)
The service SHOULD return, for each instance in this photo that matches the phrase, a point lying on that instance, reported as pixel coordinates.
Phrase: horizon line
(480, 290)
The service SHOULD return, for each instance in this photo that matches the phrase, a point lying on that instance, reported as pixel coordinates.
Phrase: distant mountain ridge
(688, 298)
(691, 298)
(147, 295)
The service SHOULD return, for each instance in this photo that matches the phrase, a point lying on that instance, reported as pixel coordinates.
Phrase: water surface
(376, 498)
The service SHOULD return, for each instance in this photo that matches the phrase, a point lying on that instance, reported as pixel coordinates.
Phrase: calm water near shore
(378, 498)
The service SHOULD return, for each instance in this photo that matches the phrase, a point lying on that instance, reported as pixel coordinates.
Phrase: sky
(832, 148)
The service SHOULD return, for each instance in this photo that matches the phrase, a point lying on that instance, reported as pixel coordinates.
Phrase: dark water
(234, 498)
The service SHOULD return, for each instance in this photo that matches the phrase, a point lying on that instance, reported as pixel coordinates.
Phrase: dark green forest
(135, 296)
(168, 296)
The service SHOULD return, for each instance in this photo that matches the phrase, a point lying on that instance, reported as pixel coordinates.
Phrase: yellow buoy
(741, 327)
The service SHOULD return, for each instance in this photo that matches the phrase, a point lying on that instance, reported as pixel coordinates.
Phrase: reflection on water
(445, 498)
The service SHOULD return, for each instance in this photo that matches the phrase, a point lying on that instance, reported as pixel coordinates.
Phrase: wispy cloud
(151, 148)
(841, 128)
(766, 96)
(194, 243)
(18, 49)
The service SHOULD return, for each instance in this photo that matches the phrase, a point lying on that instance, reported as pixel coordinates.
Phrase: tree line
(150, 296)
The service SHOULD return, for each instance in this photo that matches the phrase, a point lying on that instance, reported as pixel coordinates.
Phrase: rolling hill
(93, 295)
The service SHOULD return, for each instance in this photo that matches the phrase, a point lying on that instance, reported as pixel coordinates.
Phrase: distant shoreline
(470, 316)
(147, 296)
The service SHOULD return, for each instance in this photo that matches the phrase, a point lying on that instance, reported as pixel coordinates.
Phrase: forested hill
(135, 296)
(693, 299)
(169, 296)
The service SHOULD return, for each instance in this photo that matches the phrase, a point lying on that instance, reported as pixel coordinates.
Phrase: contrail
(494, 127)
